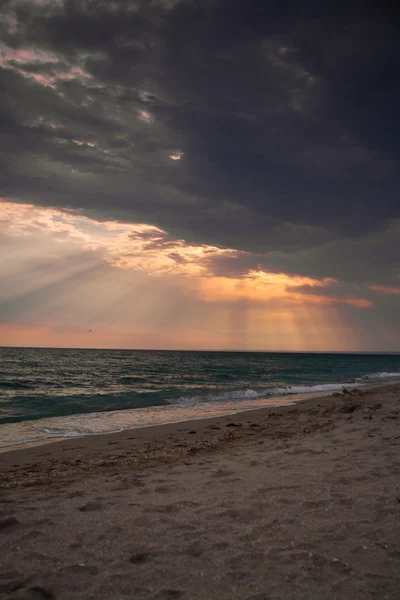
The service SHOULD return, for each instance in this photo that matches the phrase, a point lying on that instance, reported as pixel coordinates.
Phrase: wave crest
(382, 375)
(250, 394)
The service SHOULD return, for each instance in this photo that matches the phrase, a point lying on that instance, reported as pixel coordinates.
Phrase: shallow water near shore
(50, 393)
(44, 430)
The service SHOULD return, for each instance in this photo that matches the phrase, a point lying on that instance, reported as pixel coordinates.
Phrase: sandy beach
(299, 502)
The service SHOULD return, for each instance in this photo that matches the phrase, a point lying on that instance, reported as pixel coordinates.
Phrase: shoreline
(259, 404)
(301, 502)
(71, 455)
(57, 438)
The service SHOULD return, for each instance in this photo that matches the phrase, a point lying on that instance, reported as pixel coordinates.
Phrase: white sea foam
(382, 375)
(58, 432)
(184, 408)
(250, 394)
(306, 389)
(44, 430)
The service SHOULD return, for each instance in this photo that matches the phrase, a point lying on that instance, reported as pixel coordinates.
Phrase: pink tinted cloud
(74, 73)
(386, 290)
(316, 299)
(145, 116)
(82, 143)
(176, 155)
(358, 302)
(25, 56)
(16, 59)
(41, 79)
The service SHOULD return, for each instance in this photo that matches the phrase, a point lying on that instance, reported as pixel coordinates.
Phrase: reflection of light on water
(45, 430)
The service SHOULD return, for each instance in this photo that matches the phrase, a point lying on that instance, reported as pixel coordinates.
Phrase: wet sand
(299, 502)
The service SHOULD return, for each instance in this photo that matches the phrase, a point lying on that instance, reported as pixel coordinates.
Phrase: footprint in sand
(194, 551)
(168, 508)
(11, 581)
(170, 594)
(139, 558)
(187, 503)
(33, 534)
(8, 524)
(122, 484)
(163, 489)
(81, 569)
(75, 494)
(222, 473)
(221, 545)
(36, 592)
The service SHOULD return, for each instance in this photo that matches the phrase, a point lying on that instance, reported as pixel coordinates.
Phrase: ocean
(52, 393)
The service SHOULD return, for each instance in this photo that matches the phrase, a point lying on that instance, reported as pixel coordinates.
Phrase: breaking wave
(382, 375)
(250, 394)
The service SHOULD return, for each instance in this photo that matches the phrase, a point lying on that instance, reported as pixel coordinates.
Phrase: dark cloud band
(281, 115)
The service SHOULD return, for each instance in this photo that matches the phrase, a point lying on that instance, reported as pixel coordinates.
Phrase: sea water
(50, 393)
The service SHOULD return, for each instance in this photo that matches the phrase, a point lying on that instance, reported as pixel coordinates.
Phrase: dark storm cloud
(285, 113)
(371, 258)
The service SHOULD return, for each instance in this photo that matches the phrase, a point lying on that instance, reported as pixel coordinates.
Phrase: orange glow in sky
(133, 286)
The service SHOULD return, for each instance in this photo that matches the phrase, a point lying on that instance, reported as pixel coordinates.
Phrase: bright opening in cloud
(279, 227)
(62, 269)
(176, 156)
(145, 116)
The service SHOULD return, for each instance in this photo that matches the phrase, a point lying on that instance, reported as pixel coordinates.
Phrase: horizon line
(393, 352)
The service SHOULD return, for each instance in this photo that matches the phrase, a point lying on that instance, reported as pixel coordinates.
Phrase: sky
(200, 174)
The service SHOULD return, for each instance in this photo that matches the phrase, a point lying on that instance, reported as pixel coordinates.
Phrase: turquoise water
(39, 384)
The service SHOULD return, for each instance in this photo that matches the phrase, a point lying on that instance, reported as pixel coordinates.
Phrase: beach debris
(346, 392)
(90, 506)
(8, 522)
(139, 558)
(349, 408)
(233, 425)
(170, 594)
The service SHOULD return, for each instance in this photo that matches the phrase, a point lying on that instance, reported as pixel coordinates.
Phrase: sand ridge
(301, 502)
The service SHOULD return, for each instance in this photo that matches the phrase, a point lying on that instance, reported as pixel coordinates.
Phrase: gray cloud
(285, 122)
